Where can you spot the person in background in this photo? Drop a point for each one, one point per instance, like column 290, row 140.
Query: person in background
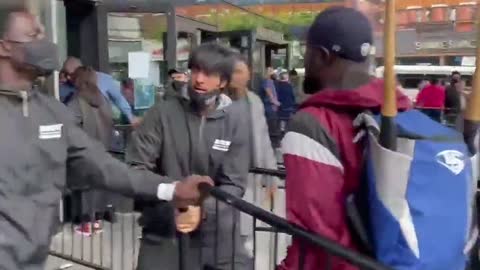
column 176, row 74
column 293, row 74
column 262, row 154
column 109, row 87
column 286, row 97
column 423, row 83
column 177, row 85
column 270, row 101
column 323, row 163
column 128, row 91
column 453, row 97
column 431, row 99
column 44, row 152
column 202, row 133
column 93, row 114
column 62, row 79
column 295, row 81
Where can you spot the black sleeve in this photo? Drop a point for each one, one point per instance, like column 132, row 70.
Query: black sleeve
column 146, row 141
column 89, row 165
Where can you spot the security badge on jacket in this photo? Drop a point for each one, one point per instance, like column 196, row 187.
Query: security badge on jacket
column 49, row 132
column 221, row 145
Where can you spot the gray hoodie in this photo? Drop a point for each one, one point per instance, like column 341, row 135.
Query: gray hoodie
column 40, row 148
column 175, row 141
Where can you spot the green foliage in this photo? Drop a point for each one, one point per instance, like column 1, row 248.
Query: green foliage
column 234, row 20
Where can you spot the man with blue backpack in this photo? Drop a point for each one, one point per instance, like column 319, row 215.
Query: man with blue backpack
column 407, row 223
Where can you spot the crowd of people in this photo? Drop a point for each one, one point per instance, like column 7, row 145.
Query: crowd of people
column 440, row 100
column 208, row 128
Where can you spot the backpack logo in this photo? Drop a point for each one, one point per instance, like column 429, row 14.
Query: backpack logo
column 452, row 160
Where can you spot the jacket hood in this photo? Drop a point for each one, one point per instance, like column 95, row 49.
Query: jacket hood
column 22, row 95
column 6, row 90
column 366, row 97
column 223, row 102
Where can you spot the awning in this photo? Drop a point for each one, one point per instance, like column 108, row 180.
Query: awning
column 299, row 32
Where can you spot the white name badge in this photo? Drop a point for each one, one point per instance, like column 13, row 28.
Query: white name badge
column 221, row 145
column 50, row 132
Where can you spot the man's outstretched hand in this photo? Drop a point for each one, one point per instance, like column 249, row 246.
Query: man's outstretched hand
column 187, row 191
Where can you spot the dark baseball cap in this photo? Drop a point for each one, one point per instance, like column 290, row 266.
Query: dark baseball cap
column 342, row 31
column 176, row 70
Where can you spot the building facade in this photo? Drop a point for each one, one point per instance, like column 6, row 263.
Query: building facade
column 102, row 33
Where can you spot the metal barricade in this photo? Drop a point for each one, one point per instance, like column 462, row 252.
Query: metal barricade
column 117, row 245
column 273, row 224
column 114, row 238
column 103, row 239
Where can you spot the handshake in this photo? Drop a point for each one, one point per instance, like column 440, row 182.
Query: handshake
column 192, row 190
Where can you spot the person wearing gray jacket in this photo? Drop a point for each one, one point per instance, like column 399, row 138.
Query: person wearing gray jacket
column 200, row 133
column 261, row 189
column 43, row 151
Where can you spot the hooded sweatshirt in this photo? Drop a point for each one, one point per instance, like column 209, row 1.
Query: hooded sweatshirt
column 43, row 152
column 175, row 141
column 324, row 165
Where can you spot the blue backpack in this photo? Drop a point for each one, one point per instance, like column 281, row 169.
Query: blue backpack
column 420, row 198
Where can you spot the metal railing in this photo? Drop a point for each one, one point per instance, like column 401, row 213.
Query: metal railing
column 103, row 239
column 281, row 225
column 117, row 246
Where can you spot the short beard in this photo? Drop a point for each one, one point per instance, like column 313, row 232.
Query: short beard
column 312, row 85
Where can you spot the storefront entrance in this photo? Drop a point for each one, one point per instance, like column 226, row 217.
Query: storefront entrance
column 103, row 34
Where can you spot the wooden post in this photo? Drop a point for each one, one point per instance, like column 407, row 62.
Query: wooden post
column 389, row 108
column 473, row 106
column 472, row 112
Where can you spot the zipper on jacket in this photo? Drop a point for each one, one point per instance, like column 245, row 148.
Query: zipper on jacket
column 24, row 96
column 201, row 128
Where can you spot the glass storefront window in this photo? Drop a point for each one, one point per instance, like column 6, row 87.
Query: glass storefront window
column 137, row 32
column 185, row 44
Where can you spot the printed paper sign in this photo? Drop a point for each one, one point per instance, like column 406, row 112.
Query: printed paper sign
column 138, row 65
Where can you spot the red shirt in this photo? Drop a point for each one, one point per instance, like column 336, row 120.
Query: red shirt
column 431, row 97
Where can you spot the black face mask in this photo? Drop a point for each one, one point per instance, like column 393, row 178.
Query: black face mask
column 311, row 85
column 178, row 85
column 203, row 101
column 40, row 57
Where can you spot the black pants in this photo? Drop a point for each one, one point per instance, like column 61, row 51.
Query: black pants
column 273, row 128
column 165, row 253
column 435, row 114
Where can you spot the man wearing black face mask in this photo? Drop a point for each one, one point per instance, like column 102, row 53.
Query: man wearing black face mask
column 43, row 152
column 201, row 133
column 178, row 83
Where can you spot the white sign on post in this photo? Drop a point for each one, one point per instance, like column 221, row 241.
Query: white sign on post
column 138, row 65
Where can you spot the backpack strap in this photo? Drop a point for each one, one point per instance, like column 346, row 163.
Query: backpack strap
column 365, row 123
column 357, row 203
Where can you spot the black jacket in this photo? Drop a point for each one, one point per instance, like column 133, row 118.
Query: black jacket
column 176, row 142
column 42, row 152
